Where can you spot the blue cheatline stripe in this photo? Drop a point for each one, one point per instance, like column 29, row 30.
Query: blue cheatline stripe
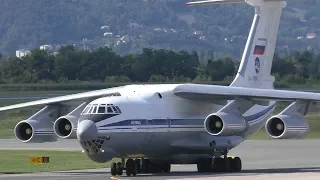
column 154, row 127
column 248, row 53
column 181, row 123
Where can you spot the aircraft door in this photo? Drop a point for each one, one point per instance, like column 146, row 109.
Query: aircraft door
column 148, row 132
column 150, row 129
column 169, row 124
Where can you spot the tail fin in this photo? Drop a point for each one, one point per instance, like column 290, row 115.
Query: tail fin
column 256, row 62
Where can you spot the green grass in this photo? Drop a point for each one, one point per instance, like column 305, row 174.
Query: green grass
column 18, row 161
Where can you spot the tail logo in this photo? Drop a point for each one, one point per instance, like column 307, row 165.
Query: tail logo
column 257, row 65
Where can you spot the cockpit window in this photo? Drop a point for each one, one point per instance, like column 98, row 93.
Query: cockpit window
column 114, row 109
column 110, row 110
column 86, row 109
column 94, row 109
column 119, row 111
column 101, row 109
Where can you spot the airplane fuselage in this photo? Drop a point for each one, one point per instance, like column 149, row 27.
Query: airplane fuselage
column 150, row 121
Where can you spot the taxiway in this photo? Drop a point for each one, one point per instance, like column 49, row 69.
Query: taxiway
column 275, row 159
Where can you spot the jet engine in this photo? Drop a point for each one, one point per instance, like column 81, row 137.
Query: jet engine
column 225, row 124
column 35, row 131
column 65, row 126
column 38, row 128
column 286, row 127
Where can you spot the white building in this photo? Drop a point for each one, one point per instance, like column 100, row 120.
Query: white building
column 21, row 52
column 46, row 47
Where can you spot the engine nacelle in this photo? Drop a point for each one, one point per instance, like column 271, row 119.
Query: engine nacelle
column 225, row 124
column 35, row 131
column 286, row 127
column 65, row 127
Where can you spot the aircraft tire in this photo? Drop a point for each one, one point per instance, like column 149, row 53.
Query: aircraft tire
column 226, row 165
column 145, row 166
column 131, row 168
column 237, row 164
column 204, row 166
column 200, row 167
column 119, row 169
column 138, row 166
column 166, row 167
column 232, row 164
column 113, row 169
column 219, row 164
column 155, row 168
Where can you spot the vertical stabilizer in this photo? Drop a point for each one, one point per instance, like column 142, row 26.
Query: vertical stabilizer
column 256, row 62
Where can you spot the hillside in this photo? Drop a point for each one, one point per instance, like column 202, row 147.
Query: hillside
column 146, row 23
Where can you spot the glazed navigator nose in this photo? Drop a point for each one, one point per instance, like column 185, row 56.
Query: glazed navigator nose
column 87, row 130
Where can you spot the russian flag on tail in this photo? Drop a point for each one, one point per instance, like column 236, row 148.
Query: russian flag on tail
column 259, row 50
column 260, row 47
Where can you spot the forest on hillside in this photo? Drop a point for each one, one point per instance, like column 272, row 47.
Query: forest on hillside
column 130, row 26
column 152, row 65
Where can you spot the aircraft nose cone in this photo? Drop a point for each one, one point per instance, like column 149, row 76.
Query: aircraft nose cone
column 87, row 130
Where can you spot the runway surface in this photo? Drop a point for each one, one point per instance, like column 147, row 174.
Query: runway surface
column 62, row 144
column 276, row 159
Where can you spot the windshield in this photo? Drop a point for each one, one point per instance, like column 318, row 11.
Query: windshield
column 101, row 109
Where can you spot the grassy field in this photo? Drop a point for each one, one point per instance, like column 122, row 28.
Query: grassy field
column 18, row 161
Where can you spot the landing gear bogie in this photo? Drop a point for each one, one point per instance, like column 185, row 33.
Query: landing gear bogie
column 220, row 165
column 137, row 166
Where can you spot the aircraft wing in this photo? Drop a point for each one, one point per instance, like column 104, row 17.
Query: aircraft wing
column 212, row 92
column 66, row 99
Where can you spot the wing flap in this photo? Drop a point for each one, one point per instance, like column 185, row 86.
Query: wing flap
column 212, row 92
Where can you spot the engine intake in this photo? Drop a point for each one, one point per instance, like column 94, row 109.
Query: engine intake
column 65, row 126
column 286, row 127
column 34, row 131
column 225, row 124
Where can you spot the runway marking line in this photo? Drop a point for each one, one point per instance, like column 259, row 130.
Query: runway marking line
column 113, row 178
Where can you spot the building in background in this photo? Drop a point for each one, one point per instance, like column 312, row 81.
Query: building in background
column 46, row 48
column 22, row 52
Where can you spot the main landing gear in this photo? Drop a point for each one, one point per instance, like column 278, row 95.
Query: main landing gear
column 138, row 166
column 218, row 164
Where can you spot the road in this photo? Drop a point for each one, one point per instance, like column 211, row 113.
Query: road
column 276, row 159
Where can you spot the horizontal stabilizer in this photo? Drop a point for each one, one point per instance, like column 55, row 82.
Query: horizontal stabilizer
column 215, row 2
column 251, row 2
